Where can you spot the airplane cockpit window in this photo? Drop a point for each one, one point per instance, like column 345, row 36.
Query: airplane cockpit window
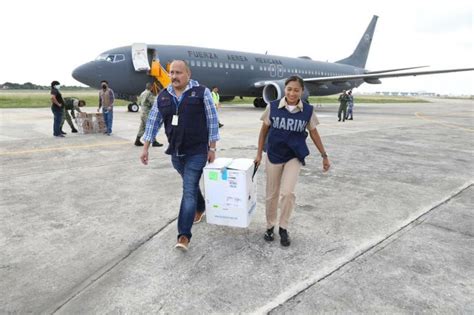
column 112, row 58
column 119, row 57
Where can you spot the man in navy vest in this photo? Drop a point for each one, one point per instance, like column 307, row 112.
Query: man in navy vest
column 191, row 126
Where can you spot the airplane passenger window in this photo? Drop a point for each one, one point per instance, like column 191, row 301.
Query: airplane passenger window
column 242, row 67
column 221, row 65
column 215, row 64
column 192, row 63
column 203, row 63
column 251, row 67
column 198, row 63
column 232, row 66
column 209, row 64
column 261, row 68
column 226, row 65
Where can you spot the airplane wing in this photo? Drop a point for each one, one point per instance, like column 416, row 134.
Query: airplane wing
column 374, row 77
column 392, row 70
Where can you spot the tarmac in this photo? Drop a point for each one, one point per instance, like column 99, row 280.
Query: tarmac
column 87, row 229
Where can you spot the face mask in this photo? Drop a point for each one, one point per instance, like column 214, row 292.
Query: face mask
column 104, row 87
column 57, row 86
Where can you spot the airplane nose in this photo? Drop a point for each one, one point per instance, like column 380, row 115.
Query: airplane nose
column 83, row 74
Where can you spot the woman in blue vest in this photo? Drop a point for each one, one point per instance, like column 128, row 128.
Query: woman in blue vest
column 286, row 122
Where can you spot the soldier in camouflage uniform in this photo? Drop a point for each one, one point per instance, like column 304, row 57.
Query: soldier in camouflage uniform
column 71, row 104
column 146, row 100
column 343, row 99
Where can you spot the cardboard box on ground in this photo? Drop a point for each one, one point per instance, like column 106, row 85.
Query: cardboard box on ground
column 90, row 123
column 230, row 191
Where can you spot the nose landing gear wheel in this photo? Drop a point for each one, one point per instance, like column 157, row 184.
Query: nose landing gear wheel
column 133, row 107
column 259, row 102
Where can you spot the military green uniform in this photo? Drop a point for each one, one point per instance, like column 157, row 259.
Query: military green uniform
column 146, row 101
column 343, row 99
column 216, row 98
column 70, row 104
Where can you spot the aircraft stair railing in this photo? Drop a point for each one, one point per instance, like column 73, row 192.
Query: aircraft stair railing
column 161, row 75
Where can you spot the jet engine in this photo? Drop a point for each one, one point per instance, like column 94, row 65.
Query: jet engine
column 273, row 90
column 276, row 89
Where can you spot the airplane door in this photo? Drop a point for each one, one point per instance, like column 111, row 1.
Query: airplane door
column 280, row 71
column 140, row 57
column 272, row 69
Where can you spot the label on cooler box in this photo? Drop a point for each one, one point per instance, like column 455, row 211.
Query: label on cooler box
column 230, row 192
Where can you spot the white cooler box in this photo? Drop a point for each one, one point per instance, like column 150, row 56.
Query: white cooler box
column 230, row 191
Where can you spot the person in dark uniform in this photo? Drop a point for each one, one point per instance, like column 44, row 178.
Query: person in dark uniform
column 189, row 115
column 57, row 104
column 350, row 106
column 286, row 122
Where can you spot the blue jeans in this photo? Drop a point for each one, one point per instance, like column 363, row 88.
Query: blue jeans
column 190, row 168
column 58, row 116
column 108, row 117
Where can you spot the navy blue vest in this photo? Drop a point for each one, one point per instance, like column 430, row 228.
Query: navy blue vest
column 190, row 136
column 287, row 134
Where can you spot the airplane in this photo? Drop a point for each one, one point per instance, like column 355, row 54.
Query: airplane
column 129, row 68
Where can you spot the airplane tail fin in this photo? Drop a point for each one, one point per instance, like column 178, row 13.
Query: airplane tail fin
column 360, row 54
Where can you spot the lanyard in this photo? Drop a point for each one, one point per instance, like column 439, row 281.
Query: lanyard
column 177, row 103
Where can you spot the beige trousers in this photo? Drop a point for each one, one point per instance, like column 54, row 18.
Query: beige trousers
column 280, row 189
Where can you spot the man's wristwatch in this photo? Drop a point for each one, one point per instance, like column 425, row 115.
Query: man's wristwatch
column 213, row 149
column 324, row 155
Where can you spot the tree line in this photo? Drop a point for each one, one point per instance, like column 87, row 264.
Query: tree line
column 32, row 86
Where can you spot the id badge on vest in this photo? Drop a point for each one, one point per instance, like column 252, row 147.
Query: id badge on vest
column 174, row 121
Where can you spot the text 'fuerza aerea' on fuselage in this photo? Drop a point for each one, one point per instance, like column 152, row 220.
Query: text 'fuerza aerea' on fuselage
column 210, row 55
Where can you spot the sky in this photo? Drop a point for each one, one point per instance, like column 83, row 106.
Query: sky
column 45, row 40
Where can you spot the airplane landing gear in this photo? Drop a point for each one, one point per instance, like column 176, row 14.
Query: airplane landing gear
column 133, row 107
column 259, row 102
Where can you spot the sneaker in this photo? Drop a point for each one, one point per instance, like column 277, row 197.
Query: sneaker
column 284, row 237
column 156, row 144
column 63, row 133
column 221, row 125
column 60, row 136
column 183, row 243
column 268, row 236
column 198, row 216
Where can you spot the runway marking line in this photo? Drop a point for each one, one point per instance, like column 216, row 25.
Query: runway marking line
column 419, row 115
column 66, row 148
